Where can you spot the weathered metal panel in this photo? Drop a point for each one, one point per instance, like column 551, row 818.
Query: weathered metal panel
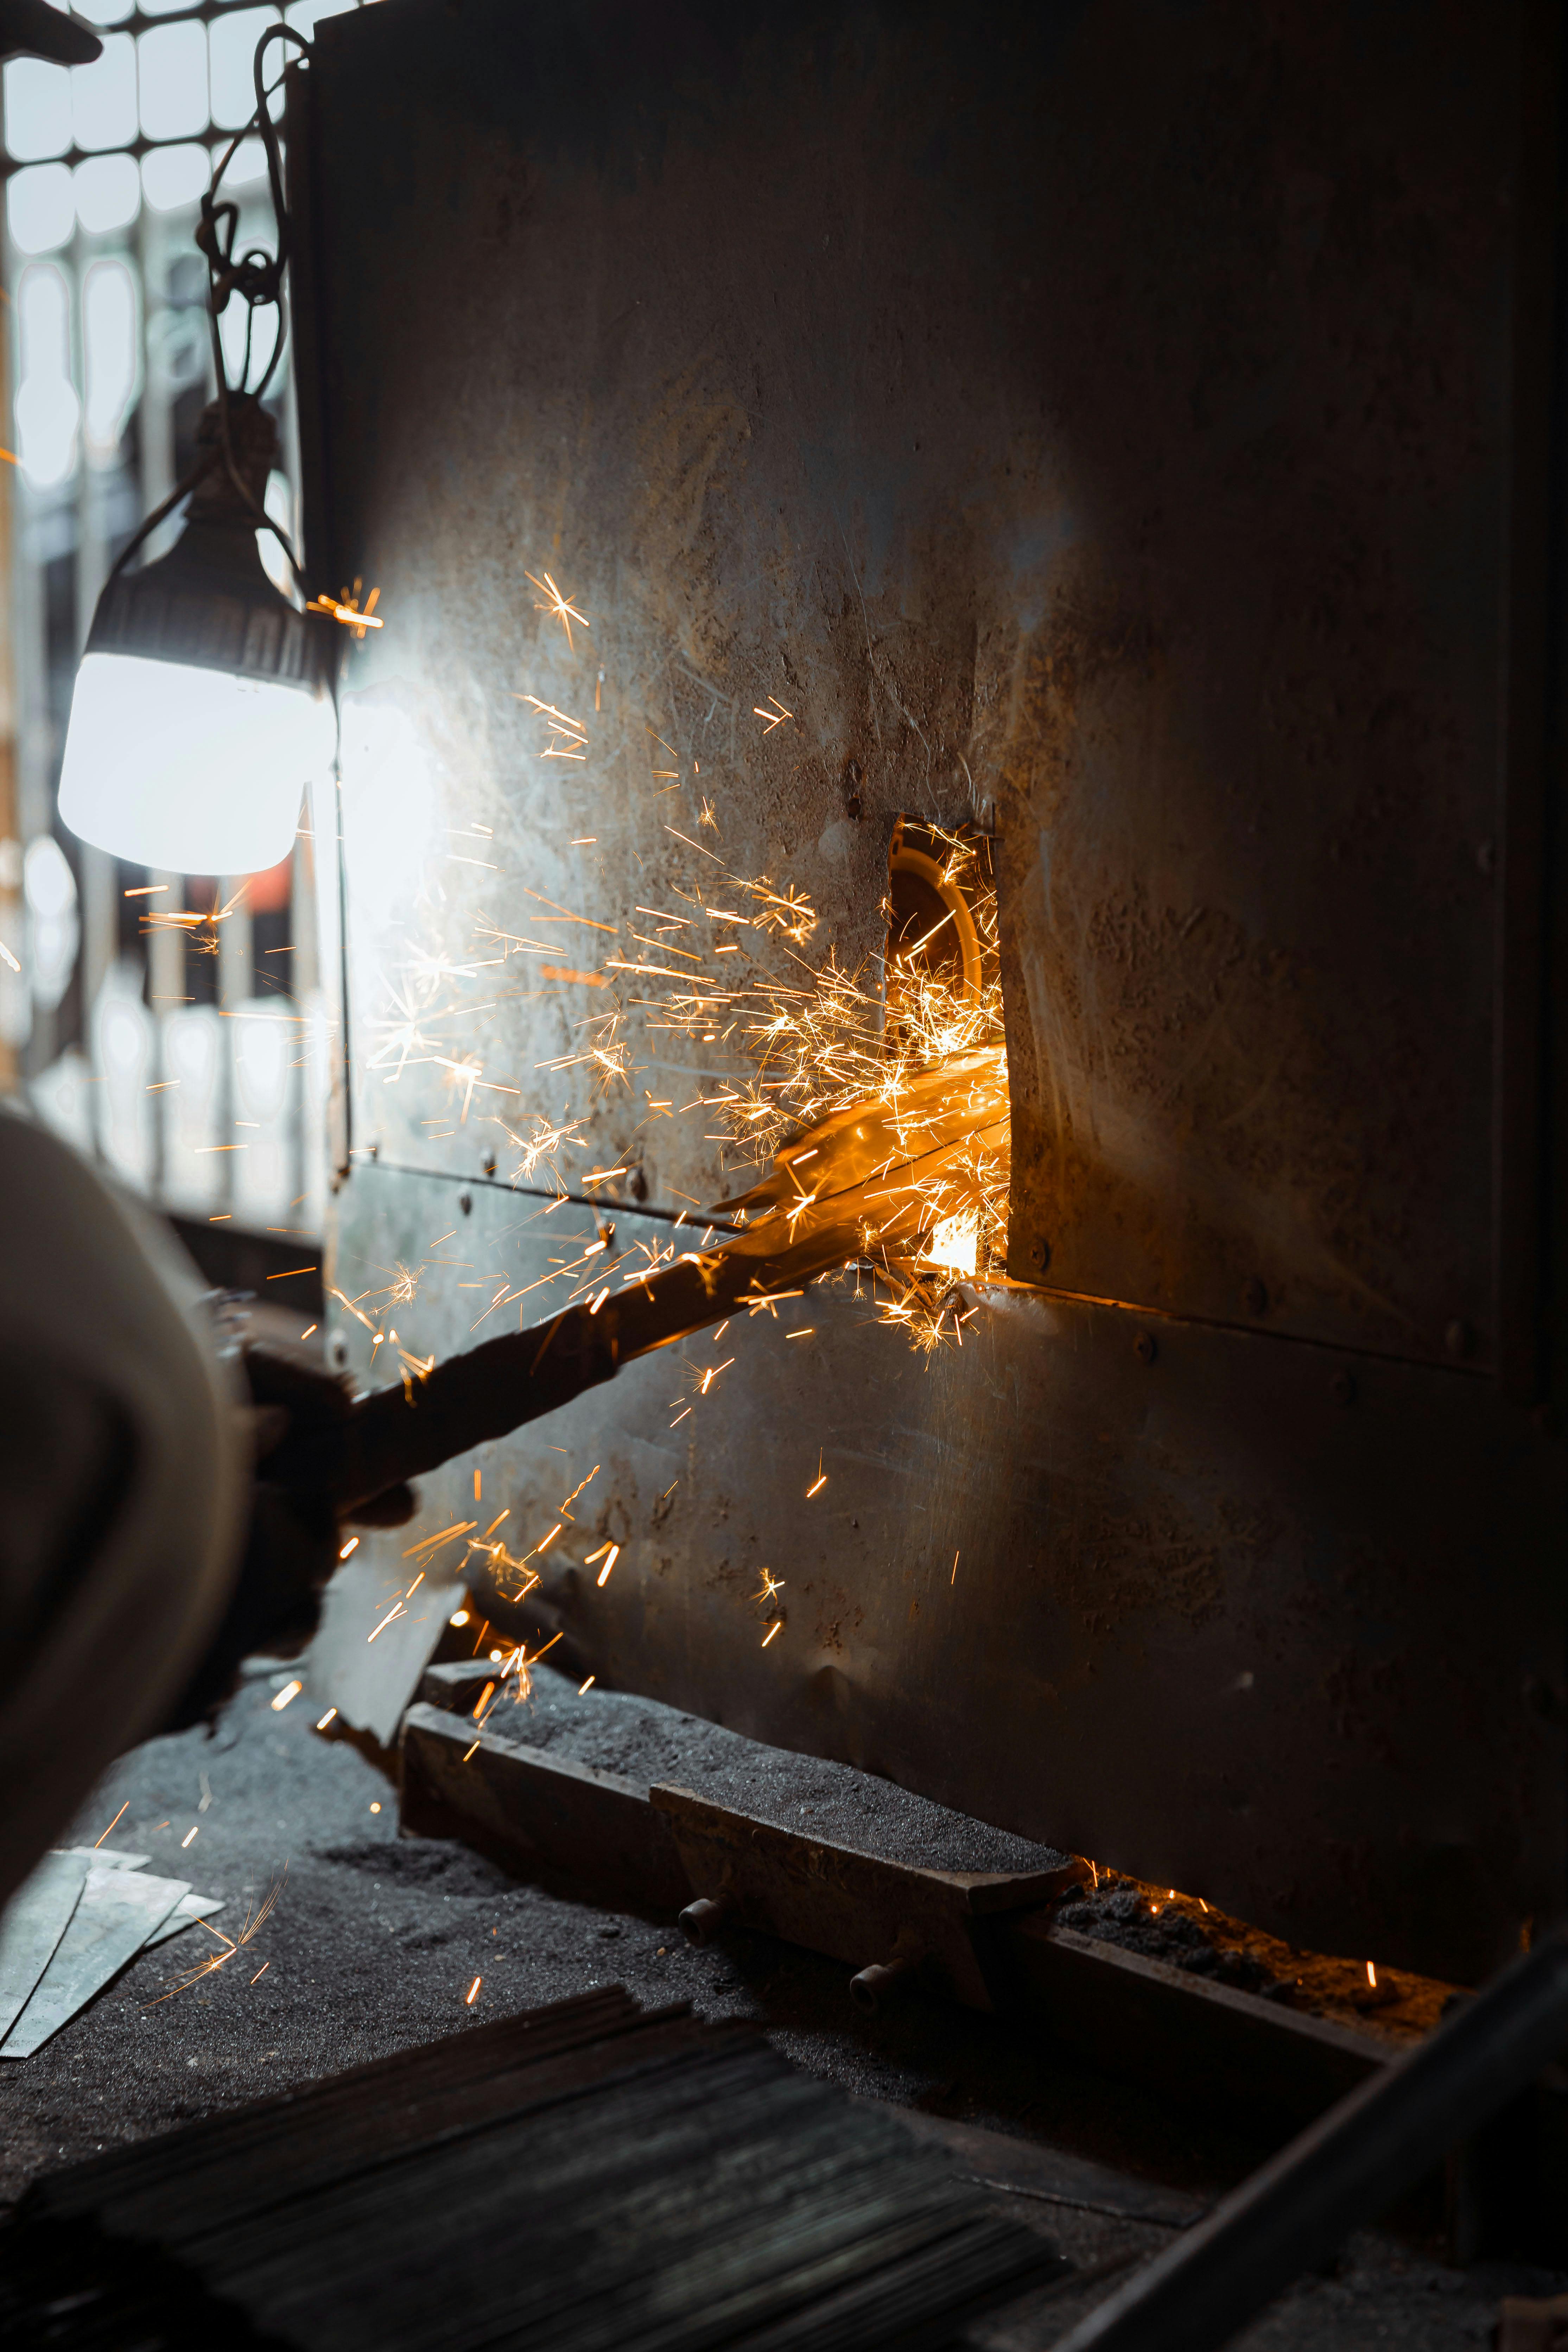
column 1101, row 426
column 1228, row 1619
column 1107, row 420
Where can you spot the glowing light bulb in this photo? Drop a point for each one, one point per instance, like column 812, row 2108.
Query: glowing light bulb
column 189, row 769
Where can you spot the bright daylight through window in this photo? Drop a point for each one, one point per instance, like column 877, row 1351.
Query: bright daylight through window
column 167, row 1021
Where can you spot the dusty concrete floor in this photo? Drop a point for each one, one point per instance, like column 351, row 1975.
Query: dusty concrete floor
column 375, row 1940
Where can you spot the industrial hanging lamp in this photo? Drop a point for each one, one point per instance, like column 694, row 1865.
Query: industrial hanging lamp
column 202, row 706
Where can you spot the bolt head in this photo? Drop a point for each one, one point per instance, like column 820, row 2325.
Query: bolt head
column 1255, row 1295
column 1145, row 1347
column 466, row 1203
column 488, row 1163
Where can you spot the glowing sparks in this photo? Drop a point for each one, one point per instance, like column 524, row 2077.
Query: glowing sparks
column 578, row 1488
column 776, row 1627
column 254, row 1919
column 114, row 1824
column 1372, row 1976
column 559, row 606
column 588, row 1685
column 774, row 716
column 347, row 609
column 189, row 1837
column 286, row 1696
column 955, row 1244
column 330, row 1716
column 442, row 1536
column 473, row 1994
column 920, row 1056
column 568, row 737
column 604, row 1575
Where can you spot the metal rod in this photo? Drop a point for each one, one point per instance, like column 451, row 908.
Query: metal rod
column 401, row 1432
column 1344, row 2170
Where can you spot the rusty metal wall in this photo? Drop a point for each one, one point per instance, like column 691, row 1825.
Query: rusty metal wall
column 1102, row 422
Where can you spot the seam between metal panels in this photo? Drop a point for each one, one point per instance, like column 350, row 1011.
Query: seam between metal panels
column 542, row 1192
column 1247, row 1330
column 1029, row 1290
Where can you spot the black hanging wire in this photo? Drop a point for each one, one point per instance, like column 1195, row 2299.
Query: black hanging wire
column 255, row 276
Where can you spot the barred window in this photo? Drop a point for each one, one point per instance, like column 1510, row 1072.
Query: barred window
column 186, row 1056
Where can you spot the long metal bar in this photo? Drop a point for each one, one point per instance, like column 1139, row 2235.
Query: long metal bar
column 402, row 1433
column 1343, row 2170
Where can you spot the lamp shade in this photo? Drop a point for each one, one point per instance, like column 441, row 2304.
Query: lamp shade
column 201, row 709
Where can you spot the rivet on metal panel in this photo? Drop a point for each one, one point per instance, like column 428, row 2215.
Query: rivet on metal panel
column 488, row 1163
column 700, row 1921
column 465, row 1202
column 1145, row 1347
column 1341, row 1388
column 1042, row 1255
column 1459, row 1339
column 375, row 1151
column 1255, row 1295
column 338, row 1352
column 871, row 1989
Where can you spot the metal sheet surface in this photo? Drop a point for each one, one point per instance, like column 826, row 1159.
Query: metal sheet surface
column 1103, row 428
column 118, row 1910
column 31, row 1926
column 1193, row 1617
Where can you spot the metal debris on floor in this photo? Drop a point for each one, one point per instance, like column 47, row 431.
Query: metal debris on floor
column 82, row 1916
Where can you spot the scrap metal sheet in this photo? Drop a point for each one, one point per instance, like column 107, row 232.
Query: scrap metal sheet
column 31, row 1927
column 118, row 1910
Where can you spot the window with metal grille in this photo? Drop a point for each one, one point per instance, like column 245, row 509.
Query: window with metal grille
column 168, row 1025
